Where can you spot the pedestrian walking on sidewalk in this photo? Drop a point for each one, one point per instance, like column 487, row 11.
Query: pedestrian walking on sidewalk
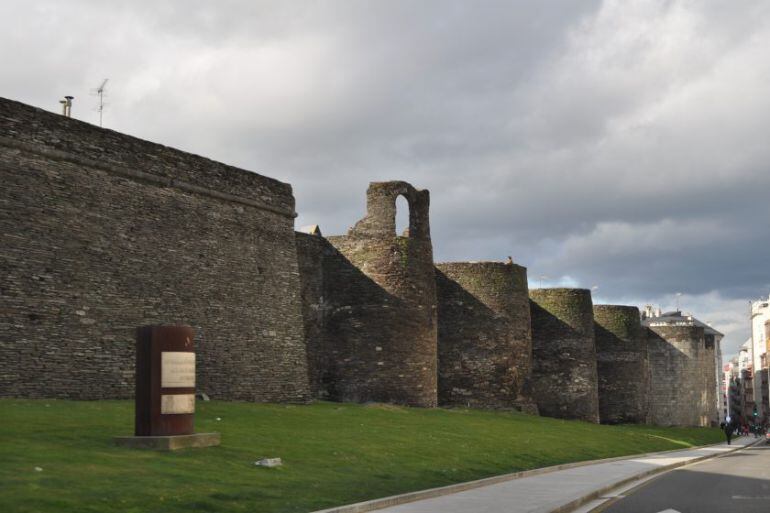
column 728, row 433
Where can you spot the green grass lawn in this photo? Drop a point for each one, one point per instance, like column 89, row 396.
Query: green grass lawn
column 333, row 454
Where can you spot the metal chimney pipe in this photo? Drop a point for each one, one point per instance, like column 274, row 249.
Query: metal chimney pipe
column 68, row 106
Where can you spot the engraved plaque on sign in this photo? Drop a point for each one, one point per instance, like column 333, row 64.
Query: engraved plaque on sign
column 177, row 369
column 182, row 403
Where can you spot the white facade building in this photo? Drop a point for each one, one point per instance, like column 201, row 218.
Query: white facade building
column 760, row 313
column 744, row 357
column 729, row 374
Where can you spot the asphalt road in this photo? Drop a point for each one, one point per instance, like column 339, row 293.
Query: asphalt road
column 736, row 483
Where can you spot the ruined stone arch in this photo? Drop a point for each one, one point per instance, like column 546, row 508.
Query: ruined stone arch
column 380, row 219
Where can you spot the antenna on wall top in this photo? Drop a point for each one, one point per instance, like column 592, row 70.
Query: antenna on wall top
column 99, row 91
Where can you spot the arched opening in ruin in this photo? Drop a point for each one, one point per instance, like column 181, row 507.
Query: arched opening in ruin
column 402, row 216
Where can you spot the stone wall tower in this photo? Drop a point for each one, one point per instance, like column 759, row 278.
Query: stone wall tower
column 677, row 355
column 380, row 324
column 622, row 364
column 484, row 335
column 710, row 415
column 564, row 378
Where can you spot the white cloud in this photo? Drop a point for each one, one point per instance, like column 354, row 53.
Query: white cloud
column 639, row 241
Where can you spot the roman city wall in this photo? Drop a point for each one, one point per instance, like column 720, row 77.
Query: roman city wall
column 103, row 232
column 564, row 377
column 622, row 364
column 484, row 335
column 677, row 355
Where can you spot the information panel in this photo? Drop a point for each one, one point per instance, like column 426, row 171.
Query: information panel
column 177, row 369
column 174, row 404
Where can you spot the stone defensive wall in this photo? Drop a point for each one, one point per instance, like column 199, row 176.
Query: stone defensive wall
column 312, row 253
column 708, row 364
column 484, row 335
column 103, row 232
column 621, row 364
column 677, row 358
column 564, row 377
column 378, row 340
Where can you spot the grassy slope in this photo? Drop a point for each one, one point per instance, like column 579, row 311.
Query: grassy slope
column 333, row 454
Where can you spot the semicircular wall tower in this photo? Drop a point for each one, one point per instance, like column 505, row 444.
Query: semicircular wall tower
column 677, row 358
column 484, row 335
column 381, row 318
column 621, row 363
column 710, row 412
column 564, row 378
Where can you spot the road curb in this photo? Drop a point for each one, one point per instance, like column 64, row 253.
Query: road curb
column 404, row 498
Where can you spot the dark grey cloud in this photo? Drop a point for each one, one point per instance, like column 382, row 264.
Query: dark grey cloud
column 612, row 143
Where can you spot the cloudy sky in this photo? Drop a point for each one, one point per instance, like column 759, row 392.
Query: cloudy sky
column 617, row 144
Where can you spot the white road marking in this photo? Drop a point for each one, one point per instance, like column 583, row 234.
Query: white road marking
column 747, row 498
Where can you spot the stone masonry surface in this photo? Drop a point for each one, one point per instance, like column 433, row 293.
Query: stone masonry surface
column 564, row 378
column 677, row 355
column 102, row 232
column 710, row 415
column 311, row 251
column 372, row 336
column 622, row 366
column 484, row 336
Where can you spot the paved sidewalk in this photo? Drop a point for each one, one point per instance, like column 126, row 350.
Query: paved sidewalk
column 553, row 490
